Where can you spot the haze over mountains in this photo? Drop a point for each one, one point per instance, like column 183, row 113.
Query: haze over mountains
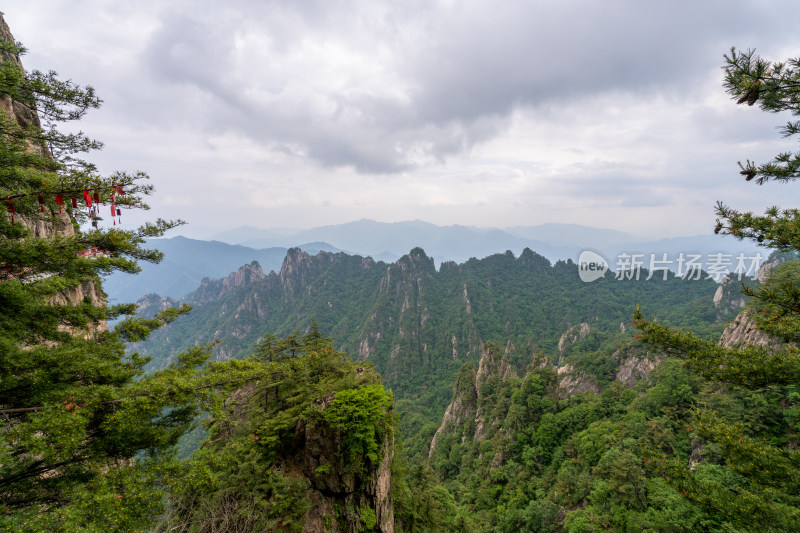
column 188, row 261
column 389, row 241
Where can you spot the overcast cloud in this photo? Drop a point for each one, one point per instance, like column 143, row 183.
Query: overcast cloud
column 290, row 113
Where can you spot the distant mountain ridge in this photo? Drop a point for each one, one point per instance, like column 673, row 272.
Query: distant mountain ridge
column 389, row 241
column 188, row 261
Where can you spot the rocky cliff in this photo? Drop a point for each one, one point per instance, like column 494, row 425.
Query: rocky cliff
column 58, row 223
column 743, row 331
column 316, row 446
column 729, row 297
column 317, row 456
column 465, row 413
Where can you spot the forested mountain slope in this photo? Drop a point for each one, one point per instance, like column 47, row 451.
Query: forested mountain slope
column 419, row 325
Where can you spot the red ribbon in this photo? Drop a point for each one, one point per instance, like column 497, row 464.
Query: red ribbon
column 41, row 203
column 96, row 197
column 11, row 210
column 59, row 202
column 87, row 198
column 74, row 203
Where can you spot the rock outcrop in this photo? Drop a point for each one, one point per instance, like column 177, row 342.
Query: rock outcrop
column 212, row 289
column 728, row 297
column 462, row 409
column 634, row 366
column 743, row 331
column 575, row 382
column 337, row 493
column 151, row 304
column 465, row 411
column 572, row 336
column 334, row 486
column 299, row 268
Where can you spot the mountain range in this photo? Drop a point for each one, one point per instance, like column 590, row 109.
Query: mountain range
column 417, row 323
column 188, row 261
column 389, row 241
column 524, row 398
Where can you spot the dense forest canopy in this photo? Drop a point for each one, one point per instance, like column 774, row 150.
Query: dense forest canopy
column 514, row 396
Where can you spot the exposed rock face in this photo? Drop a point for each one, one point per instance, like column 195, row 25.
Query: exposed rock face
column 492, row 364
column 23, row 115
column 573, row 335
column 570, row 380
column 634, row 367
column 743, row 331
column 151, row 304
column 574, row 382
column 316, row 456
column 213, row 289
column 338, row 487
column 464, row 410
column 299, row 268
column 60, row 224
column 766, row 269
column 728, row 297
column 464, row 406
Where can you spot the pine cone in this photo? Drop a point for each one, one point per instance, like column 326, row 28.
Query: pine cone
column 748, row 173
column 752, row 96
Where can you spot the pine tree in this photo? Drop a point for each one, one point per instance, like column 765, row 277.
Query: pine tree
column 75, row 409
column 755, row 483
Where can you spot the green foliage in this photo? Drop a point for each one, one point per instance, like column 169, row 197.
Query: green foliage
column 241, row 477
column 232, row 488
column 777, row 302
column 747, row 478
column 623, row 459
column 362, row 416
column 774, row 86
column 418, row 327
column 422, row 504
column 76, row 408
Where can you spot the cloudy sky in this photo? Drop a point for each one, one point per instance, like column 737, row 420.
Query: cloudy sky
column 304, row 113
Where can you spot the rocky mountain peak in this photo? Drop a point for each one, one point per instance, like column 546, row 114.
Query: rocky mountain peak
column 493, row 363
column 212, row 289
column 417, row 259
column 299, row 268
